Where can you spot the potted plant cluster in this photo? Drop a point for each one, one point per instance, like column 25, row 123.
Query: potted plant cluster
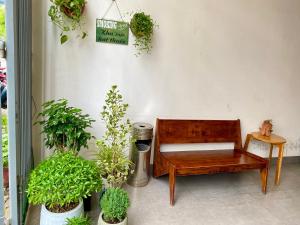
column 5, row 151
column 114, row 205
column 59, row 183
column 67, row 15
column 64, row 126
column 113, row 163
column 80, row 220
column 142, row 26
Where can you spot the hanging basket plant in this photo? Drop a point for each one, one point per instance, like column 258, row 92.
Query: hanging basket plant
column 142, row 26
column 67, row 15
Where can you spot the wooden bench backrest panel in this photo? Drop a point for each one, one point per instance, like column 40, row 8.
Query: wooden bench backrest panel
column 198, row 131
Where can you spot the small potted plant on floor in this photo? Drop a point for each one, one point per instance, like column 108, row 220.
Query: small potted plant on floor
column 64, row 127
column 80, row 220
column 142, row 26
column 114, row 165
column 114, row 205
column 67, row 15
column 59, row 183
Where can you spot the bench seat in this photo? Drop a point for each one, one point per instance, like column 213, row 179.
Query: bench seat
column 185, row 163
column 214, row 158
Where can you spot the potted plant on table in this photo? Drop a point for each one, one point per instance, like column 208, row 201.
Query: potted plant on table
column 59, row 183
column 142, row 26
column 114, row 205
column 113, row 163
column 67, row 15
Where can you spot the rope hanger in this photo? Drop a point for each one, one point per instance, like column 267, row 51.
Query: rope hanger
column 109, row 8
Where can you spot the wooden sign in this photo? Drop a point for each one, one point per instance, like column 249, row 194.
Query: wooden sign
column 110, row 31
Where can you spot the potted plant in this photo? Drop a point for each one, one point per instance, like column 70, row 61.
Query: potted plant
column 67, row 15
column 59, row 183
column 80, row 220
column 64, row 126
column 114, row 205
column 114, row 165
column 142, row 26
column 5, row 151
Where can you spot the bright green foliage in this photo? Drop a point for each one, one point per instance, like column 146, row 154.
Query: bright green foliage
column 64, row 126
column 112, row 160
column 142, row 26
column 4, row 141
column 82, row 220
column 66, row 14
column 114, row 205
column 2, row 23
column 63, row 179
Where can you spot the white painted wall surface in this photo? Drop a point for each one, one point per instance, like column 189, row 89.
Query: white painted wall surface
column 212, row 59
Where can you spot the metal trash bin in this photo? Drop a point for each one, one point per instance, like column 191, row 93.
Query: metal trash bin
column 140, row 154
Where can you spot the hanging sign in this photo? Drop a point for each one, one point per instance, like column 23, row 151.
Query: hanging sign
column 110, row 31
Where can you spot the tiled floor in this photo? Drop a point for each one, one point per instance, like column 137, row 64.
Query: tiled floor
column 222, row 199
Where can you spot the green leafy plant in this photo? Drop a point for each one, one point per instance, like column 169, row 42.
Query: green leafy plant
column 114, row 205
column 142, row 26
column 112, row 160
column 82, row 220
column 66, row 15
column 4, row 141
column 62, row 180
column 64, row 126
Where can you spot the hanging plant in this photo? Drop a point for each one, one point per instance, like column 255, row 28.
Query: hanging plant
column 66, row 15
column 142, row 26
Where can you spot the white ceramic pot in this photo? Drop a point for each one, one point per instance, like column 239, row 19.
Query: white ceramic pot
column 102, row 222
column 50, row 218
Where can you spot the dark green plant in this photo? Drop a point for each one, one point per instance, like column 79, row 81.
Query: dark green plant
column 114, row 205
column 62, row 180
column 66, row 15
column 82, row 220
column 4, row 141
column 142, row 25
column 64, row 126
column 112, row 160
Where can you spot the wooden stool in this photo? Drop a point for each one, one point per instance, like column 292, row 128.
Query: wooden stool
column 272, row 140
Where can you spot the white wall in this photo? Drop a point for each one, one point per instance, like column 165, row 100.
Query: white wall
column 212, row 59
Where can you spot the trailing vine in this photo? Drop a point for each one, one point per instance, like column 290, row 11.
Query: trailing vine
column 142, row 26
column 66, row 15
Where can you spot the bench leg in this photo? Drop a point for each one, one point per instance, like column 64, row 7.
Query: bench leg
column 172, row 180
column 264, row 179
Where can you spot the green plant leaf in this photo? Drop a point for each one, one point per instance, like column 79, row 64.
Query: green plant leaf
column 64, row 38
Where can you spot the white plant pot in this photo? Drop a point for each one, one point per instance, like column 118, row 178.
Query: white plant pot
column 102, row 222
column 51, row 218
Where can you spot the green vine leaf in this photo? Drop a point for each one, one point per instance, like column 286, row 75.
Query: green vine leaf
column 63, row 39
column 142, row 26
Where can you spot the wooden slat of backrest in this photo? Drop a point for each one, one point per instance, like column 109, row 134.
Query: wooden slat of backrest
column 199, row 131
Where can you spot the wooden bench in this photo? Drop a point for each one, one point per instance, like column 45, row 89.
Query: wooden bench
column 184, row 163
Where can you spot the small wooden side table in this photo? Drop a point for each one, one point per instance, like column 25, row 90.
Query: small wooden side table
column 272, row 140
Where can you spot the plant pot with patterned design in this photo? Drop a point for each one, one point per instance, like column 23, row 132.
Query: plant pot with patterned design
column 114, row 205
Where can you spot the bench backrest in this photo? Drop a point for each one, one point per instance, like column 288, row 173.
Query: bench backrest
column 198, row 131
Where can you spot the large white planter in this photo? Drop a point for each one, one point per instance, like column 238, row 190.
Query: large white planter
column 50, row 218
column 102, row 222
